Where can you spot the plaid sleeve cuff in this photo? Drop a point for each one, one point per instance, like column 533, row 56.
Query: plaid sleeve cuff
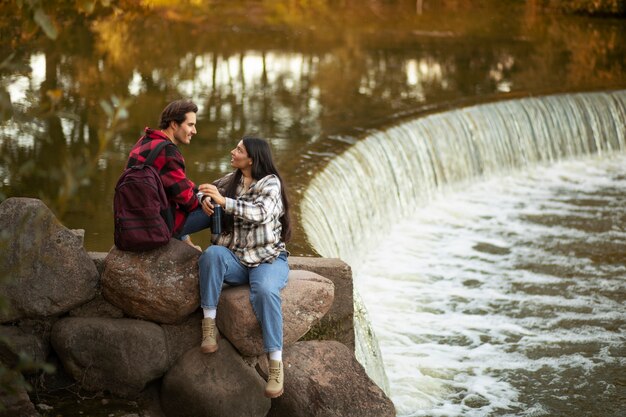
column 230, row 205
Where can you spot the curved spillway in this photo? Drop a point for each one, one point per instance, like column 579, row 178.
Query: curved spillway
column 388, row 174
column 358, row 200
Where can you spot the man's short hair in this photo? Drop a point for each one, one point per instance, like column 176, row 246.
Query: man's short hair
column 176, row 111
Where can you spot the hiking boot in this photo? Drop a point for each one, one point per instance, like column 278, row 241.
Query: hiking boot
column 209, row 335
column 274, row 387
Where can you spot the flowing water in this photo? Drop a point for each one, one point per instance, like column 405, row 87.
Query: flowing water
column 490, row 256
column 507, row 298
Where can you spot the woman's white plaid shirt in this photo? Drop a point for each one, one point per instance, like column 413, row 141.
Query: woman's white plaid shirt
column 256, row 232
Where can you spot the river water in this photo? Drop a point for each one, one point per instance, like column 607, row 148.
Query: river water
column 507, row 298
column 487, row 245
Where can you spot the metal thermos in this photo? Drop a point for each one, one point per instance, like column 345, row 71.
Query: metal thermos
column 216, row 219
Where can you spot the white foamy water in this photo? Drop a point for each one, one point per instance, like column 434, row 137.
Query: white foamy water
column 506, row 297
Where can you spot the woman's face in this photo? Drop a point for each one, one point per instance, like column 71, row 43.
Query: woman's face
column 239, row 157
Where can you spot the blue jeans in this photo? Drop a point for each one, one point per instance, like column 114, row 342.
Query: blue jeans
column 196, row 220
column 219, row 265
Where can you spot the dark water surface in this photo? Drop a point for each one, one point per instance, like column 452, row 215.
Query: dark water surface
column 313, row 77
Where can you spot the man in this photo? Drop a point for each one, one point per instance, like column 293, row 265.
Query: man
column 178, row 125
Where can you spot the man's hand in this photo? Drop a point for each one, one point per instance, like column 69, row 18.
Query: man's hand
column 207, row 206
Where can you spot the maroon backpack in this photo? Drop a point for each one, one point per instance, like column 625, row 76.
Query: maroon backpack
column 142, row 214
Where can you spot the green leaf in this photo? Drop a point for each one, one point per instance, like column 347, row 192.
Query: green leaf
column 48, row 368
column 42, row 19
column 123, row 114
column 7, row 61
column 107, row 108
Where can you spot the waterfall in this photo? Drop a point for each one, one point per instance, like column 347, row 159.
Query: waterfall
column 383, row 178
column 387, row 174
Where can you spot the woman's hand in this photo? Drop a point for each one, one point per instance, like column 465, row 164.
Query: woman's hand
column 203, row 187
column 212, row 191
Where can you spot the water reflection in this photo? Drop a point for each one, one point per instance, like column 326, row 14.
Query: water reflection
column 312, row 77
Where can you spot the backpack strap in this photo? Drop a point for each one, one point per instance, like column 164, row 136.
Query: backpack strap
column 168, row 214
column 155, row 152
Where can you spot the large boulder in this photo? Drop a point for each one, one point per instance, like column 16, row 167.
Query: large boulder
column 220, row 384
column 179, row 338
column 98, row 307
column 30, row 337
column 117, row 355
column 48, row 270
column 338, row 323
column 160, row 285
column 305, row 299
column 323, row 379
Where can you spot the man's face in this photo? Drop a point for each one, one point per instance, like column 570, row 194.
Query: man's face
column 184, row 131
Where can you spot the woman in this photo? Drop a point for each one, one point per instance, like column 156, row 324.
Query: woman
column 251, row 249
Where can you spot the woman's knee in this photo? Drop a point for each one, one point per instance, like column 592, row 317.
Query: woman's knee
column 214, row 253
column 264, row 292
column 211, row 258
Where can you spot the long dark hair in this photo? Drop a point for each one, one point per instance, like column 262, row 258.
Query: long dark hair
column 262, row 165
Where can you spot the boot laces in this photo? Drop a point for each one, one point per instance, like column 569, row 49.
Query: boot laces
column 275, row 374
column 209, row 331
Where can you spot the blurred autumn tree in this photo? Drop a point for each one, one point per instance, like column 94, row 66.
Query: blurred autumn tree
column 590, row 7
column 22, row 23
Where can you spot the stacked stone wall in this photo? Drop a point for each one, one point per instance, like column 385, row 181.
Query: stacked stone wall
column 129, row 325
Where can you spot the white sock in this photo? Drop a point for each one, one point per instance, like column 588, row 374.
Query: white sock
column 209, row 312
column 277, row 355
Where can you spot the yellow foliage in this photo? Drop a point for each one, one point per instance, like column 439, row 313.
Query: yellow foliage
column 115, row 41
column 170, row 3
